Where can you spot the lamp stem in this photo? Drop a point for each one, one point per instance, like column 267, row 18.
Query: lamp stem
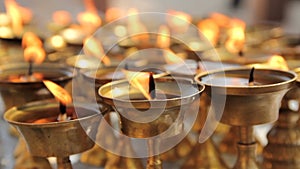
column 64, row 163
column 246, row 149
column 154, row 161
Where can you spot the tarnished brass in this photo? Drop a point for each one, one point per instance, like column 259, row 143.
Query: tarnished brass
column 56, row 139
column 204, row 155
column 283, row 142
column 282, row 150
column 246, row 106
column 18, row 93
column 185, row 93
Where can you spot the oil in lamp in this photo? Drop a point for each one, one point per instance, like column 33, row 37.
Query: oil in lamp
column 282, row 148
column 53, row 129
column 245, row 105
column 151, row 110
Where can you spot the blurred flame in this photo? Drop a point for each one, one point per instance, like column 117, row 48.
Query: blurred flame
column 93, row 47
column 60, row 93
column 220, row 19
column 62, row 17
column 90, row 6
column 112, row 14
column 26, row 14
column 171, row 58
column 278, row 62
column 139, row 80
column 163, row 38
column 274, row 62
column 34, row 54
column 178, row 21
column 13, row 11
column 31, row 39
column 136, row 29
column 236, row 36
column 210, row 29
column 89, row 19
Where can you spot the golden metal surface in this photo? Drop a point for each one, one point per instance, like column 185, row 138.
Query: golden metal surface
column 55, row 139
column 282, row 149
column 18, row 93
column 184, row 97
column 204, row 155
column 250, row 105
column 246, row 105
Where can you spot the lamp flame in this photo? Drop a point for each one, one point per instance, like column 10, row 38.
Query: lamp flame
column 220, row 19
column 278, row 62
column 136, row 28
column 89, row 19
column 171, row 58
column 274, row 62
column 93, row 47
column 112, row 14
column 31, row 39
column 236, row 36
column 139, row 80
column 163, row 38
column 15, row 15
column 62, row 17
column 178, row 21
column 210, row 29
column 34, row 54
column 59, row 93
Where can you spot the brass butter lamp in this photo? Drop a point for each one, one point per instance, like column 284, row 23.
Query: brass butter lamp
column 252, row 98
column 152, row 120
column 284, row 136
column 56, row 139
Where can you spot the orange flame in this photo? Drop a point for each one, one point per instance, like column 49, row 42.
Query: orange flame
column 112, row 14
column 220, row 19
column 60, row 93
column 171, row 58
column 26, row 14
column 90, row 6
column 89, row 19
column 93, row 47
column 278, row 62
column 31, row 39
column 178, row 21
column 137, row 29
column 163, row 38
column 210, row 29
column 34, row 54
column 62, row 17
column 236, row 36
column 274, row 62
column 15, row 15
column 139, row 80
